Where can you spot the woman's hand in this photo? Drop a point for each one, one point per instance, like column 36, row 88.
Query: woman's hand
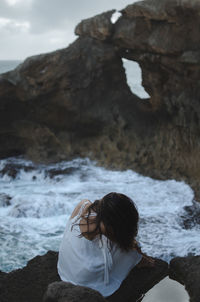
column 77, row 208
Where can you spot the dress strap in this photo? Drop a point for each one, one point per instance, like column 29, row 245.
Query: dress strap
column 103, row 245
column 108, row 261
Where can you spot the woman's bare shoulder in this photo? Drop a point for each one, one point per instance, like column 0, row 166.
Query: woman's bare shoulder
column 79, row 205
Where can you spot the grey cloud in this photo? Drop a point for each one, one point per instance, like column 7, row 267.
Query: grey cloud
column 12, row 28
column 47, row 15
column 52, row 23
column 18, row 12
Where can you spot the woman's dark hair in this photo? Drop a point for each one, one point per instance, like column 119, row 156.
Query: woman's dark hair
column 119, row 216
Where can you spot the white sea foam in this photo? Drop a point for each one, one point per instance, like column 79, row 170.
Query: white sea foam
column 42, row 200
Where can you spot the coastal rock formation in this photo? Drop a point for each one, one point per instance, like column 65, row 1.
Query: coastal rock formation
column 31, row 282
column 64, row 104
column 99, row 28
column 76, row 102
column 186, row 270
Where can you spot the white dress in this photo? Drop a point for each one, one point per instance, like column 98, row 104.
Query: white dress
column 90, row 262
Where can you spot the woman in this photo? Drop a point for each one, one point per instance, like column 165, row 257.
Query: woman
column 99, row 249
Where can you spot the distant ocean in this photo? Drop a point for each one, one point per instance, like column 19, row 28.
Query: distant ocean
column 35, row 206
column 6, row 65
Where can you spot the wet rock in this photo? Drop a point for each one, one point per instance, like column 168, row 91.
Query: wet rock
column 191, row 216
column 12, row 169
column 5, row 200
column 186, row 270
column 55, row 172
column 9, row 170
column 31, row 283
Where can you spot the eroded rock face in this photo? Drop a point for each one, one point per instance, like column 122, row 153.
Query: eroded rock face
column 76, row 102
column 186, row 270
column 171, row 69
column 153, row 33
column 100, row 27
column 66, row 103
column 29, row 283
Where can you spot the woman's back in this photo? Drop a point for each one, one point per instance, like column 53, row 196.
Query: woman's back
column 93, row 263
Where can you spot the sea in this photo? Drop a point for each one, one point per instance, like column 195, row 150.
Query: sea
column 36, row 201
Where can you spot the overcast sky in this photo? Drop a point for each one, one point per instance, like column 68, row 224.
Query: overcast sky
column 29, row 27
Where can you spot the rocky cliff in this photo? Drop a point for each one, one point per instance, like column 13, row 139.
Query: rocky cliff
column 76, row 102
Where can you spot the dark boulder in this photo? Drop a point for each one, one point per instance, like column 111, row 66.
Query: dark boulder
column 12, row 169
column 190, row 217
column 67, row 292
column 29, row 283
column 186, row 270
column 5, row 200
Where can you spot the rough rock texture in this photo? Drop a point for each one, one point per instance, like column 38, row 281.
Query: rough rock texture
column 4, row 200
column 31, row 282
column 100, row 27
column 153, row 33
column 67, row 103
column 190, row 218
column 143, row 278
column 186, row 270
column 75, row 101
column 67, row 292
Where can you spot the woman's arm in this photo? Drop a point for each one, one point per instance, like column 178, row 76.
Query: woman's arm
column 77, row 208
column 86, row 226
